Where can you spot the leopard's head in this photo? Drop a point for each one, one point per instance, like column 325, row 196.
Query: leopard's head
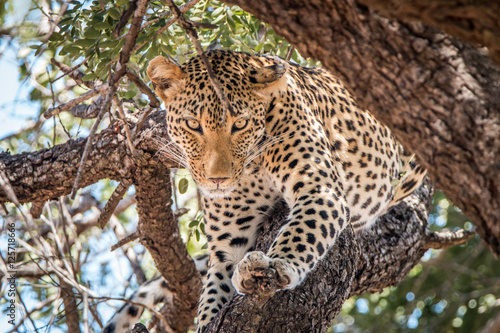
column 218, row 146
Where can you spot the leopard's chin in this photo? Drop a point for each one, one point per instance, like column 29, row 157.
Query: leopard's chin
column 216, row 192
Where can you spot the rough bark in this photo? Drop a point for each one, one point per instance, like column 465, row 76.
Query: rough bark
column 49, row 173
column 367, row 262
column 70, row 308
column 476, row 22
column 160, row 235
column 440, row 96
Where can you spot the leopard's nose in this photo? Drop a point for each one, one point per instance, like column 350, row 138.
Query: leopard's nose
column 218, row 180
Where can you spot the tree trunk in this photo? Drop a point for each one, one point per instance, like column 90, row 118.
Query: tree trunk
column 440, row 96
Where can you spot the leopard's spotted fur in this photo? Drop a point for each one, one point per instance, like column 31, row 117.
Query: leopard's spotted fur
column 291, row 133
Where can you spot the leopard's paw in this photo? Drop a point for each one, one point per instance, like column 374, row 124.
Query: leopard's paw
column 256, row 273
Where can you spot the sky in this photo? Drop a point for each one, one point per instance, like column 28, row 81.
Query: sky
column 15, row 109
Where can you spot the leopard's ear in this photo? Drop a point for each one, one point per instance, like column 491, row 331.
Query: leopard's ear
column 166, row 76
column 269, row 73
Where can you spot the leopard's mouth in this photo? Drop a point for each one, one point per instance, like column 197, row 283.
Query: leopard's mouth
column 216, row 192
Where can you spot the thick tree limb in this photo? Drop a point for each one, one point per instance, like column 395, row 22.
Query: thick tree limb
column 440, row 96
column 49, row 173
column 159, row 233
column 471, row 20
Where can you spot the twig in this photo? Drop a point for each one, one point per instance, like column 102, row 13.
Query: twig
column 72, row 72
column 134, row 29
column 130, row 238
column 113, row 201
column 124, row 18
column 120, row 71
column 90, row 138
column 188, row 27
column 184, row 8
column 37, row 307
column 141, row 121
column 67, row 106
column 290, row 53
column 446, row 239
column 128, row 251
column 36, row 208
column 55, row 22
column 5, row 184
column 153, row 101
column 119, row 107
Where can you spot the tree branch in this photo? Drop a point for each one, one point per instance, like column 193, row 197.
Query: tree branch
column 446, row 239
column 476, row 22
column 49, row 173
column 159, row 233
column 188, row 27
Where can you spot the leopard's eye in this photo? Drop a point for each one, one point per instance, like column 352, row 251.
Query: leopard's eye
column 240, row 124
column 193, row 124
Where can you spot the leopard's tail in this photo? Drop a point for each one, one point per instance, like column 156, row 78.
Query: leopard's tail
column 148, row 295
column 411, row 176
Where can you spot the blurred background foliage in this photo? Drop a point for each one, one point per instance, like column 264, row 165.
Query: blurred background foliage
column 455, row 290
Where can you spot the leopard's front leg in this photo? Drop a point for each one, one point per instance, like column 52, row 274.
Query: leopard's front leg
column 231, row 225
column 312, row 187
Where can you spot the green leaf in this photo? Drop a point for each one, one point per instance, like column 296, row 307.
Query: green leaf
column 202, row 228
column 193, row 223
column 71, row 50
column 259, row 47
column 102, row 25
column 197, row 234
column 183, row 185
column 110, row 43
column 218, row 11
column 89, row 77
column 114, row 13
column 217, row 20
column 205, row 246
column 92, row 33
column 84, row 42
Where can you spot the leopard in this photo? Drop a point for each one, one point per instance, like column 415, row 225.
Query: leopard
column 279, row 132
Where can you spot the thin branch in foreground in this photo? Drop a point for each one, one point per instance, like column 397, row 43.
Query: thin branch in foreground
column 72, row 72
column 5, row 184
column 83, row 97
column 446, row 239
column 121, row 69
column 184, row 8
column 119, row 107
column 141, row 121
column 84, row 111
column 153, row 101
column 105, row 107
column 36, row 208
column 113, row 201
column 132, row 237
column 188, row 26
